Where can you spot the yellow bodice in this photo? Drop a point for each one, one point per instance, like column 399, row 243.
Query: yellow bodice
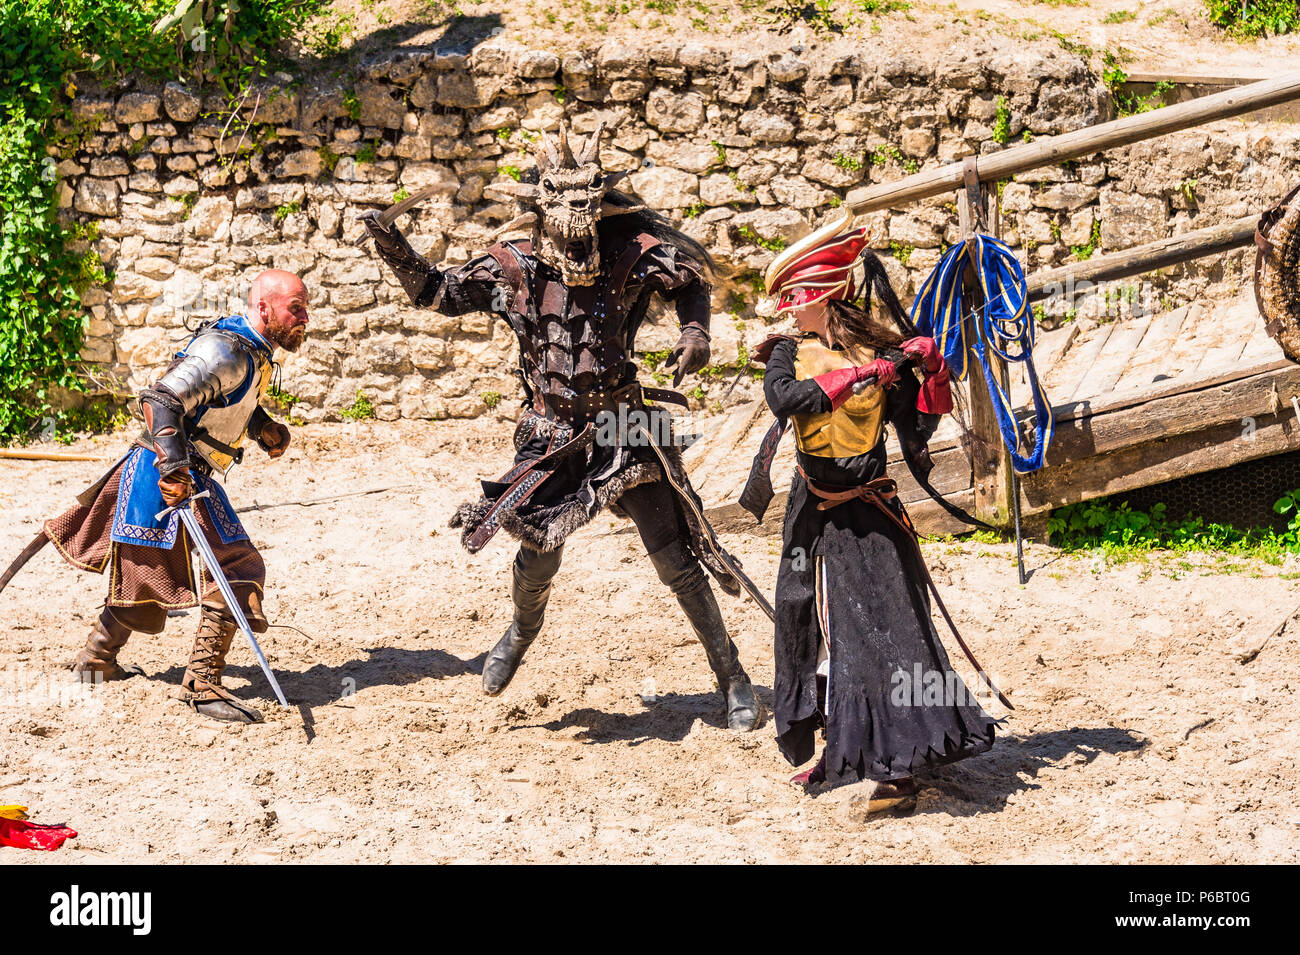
column 851, row 429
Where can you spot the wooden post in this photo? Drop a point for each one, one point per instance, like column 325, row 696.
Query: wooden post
column 991, row 472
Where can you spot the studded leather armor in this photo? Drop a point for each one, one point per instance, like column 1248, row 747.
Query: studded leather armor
column 576, row 342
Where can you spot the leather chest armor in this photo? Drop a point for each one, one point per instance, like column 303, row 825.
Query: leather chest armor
column 850, row 430
column 575, row 341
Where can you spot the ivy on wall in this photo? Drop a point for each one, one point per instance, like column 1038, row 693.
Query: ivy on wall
column 47, row 260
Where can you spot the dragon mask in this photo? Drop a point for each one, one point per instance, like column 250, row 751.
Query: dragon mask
column 571, row 195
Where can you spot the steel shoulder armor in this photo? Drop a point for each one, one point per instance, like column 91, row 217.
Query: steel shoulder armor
column 209, row 395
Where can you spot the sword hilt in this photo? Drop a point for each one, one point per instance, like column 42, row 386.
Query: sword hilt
column 165, row 512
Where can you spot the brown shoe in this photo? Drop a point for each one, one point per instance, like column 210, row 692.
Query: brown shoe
column 202, row 680
column 97, row 661
column 895, row 794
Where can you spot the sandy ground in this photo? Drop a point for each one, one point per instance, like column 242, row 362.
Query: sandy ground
column 1137, row 737
column 1173, row 36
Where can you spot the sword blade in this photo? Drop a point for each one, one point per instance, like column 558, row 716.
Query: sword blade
column 214, row 570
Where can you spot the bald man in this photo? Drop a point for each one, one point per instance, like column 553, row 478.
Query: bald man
column 197, row 417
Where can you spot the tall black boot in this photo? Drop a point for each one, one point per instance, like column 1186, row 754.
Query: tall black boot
column 531, row 588
column 680, row 570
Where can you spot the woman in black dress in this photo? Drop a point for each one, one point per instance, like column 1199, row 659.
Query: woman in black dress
column 856, row 651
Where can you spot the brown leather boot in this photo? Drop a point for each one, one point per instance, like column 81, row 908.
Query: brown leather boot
column 202, row 680
column 97, row 661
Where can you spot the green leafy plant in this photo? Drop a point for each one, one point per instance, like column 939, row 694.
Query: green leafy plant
column 368, row 152
column 282, row 398
column 900, row 251
column 694, row 211
column 772, row 245
column 289, row 208
column 352, row 105
column 882, row 6
column 1002, row 122
column 1094, row 242
column 360, row 409
column 1254, row 18
column 328, row 157
column 514, row 172
column 1119, row 16
column 491, row 398
column 400, row 194
column 1120, row 533
column 851, row 163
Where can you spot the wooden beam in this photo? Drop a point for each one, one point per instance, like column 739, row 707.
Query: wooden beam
column 1143, row 258
column 1075, row 145
column 1255, row 398
column 1156, row 462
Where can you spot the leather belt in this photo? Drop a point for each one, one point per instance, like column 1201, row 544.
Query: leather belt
column 877, row 492
column 585, row 406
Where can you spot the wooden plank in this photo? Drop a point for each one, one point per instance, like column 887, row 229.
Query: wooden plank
column 1142, row 258
column 1158, row 461
column 1182, row 413
column 1082, row 357
column 1120, row 348
column 951, row 474
column 1072, row 410
column 1236, row 323
column 1077, row 144
column 1260, row 347
column 1151, row 363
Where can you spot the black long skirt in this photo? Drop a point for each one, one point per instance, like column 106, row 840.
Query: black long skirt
column 894, row 705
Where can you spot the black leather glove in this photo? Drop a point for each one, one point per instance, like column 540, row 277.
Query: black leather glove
column 690, row 354
column 387, row 238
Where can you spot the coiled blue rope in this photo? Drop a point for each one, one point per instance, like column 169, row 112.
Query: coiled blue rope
column 1005, row 327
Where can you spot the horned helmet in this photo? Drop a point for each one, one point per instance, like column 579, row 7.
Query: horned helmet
column 571, row 196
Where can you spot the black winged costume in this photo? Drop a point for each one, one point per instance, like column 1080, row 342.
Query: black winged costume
column 575, row 296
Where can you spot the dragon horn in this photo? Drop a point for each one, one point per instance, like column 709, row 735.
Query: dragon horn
column 566, row 154
column 592, row 149
column 548, row 157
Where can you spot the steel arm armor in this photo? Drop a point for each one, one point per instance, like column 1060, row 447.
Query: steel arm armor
column 212, row 367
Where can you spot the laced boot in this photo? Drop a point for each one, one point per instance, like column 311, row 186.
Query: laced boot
column 97, row 661
column 529, row 593
column 680, row 570
column 202, row 680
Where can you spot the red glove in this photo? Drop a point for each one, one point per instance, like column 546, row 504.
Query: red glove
column 839, row 385
column 935, row 396
column 925, row 352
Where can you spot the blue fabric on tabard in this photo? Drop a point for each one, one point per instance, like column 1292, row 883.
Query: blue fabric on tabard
column 139, row 501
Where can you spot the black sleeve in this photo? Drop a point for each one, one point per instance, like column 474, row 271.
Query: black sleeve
column 786, row 394
column 680, row 280
column 914, row 429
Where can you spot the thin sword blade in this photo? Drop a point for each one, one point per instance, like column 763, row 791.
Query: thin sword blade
column 214, row 570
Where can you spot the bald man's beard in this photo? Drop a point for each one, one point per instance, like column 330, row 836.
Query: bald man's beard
column 287, row 334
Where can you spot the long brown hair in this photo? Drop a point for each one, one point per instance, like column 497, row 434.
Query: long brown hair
column 854, row 327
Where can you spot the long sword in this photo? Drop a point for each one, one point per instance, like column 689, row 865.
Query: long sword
column 214, row 570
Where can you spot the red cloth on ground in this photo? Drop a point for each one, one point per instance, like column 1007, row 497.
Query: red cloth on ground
column 32, row 835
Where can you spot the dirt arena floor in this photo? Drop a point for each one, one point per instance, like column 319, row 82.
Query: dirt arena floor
column 1155, row 718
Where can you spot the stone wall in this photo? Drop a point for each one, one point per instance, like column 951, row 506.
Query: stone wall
column 744, row 150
